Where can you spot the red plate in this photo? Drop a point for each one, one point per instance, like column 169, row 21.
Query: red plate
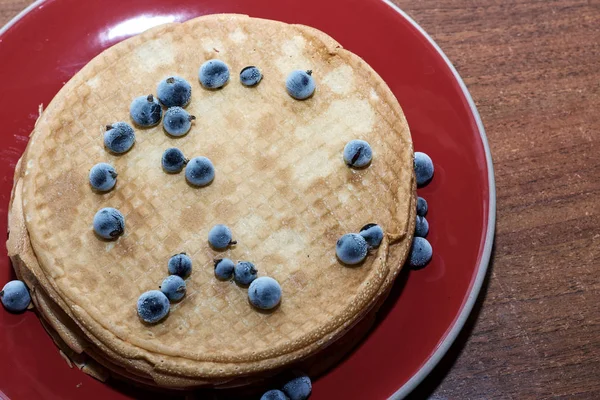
column 48, row 43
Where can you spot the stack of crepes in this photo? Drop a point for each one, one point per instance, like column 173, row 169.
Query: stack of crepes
column 281, row 185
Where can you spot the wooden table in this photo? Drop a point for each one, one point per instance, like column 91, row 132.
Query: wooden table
column 533, row 68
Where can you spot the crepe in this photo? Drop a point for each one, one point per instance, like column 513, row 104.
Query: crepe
column 281, row 185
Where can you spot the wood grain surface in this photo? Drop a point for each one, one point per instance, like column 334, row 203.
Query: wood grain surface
column 533, row 68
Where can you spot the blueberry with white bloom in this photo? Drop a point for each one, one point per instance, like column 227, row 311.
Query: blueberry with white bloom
column 274, row 395
column 224, row 268
column 180, row 264
column 173, row 287
column 220, row 237
column 244, row 272
column 152, row 306
column 351, row 248
column 119, row 137
column 420, row 252
column 173, row 160
column 109, row 223
column 421, row 206
column 15, row 296
column 423, row 168
column 357, row 153
column 199, row 171
column 213, row 74
column 300, row 84
column 174, row 92
column 177, row 121
column 373, row 234
column 264, row 293
column 298, row 388
column 250, row 76
column 421, row 227
column 103, row 177
column 145, row 111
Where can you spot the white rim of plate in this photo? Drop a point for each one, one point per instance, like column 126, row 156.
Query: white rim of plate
column 443, row 347
column 435, row 358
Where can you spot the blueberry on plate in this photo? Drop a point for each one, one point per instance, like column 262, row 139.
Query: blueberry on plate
column 421, row 227
column 15, row 296
column 421, row 206
column 274, row 395
column 298, row 388
column 420, row 253
column 423, row 168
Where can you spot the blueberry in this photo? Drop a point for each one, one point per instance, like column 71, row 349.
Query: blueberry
column 153, row 306
column 373, row 234
column 244, row 272
column 173, row 287
column 103, row 177
column 219, row 237
column 421, row 227
column 177, row 121
column 181, row 265
column 423, row 168
column 213, row 74
column 264, row 293
column 119, row 137
column 109, row 223
column 300, row 84
column 421, row 206
column 274, row 395
column 173, row 160
column 298, row 388
column 357, row 153
column 145, row 111
column 199, row 171
column 174, row 92
column 250, row 76
column 224, row 268
column 15, row 296
column 351, row 248
column 420, row 252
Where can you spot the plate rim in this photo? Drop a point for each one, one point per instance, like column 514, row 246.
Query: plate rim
column 482, row 268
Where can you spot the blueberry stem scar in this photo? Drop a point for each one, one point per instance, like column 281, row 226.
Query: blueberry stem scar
column 192, row 117
column 150, row 98
column 113, row 173
column 356, row 156
column 309, row 72
column 171, row 80
column 109, row 127
column 233, row 242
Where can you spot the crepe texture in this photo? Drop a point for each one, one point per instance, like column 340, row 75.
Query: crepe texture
column 281, row 185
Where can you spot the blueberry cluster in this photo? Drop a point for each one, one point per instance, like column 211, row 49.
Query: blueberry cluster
column 421, row 250
column 153, row 305
column 298, row 388
column 264, row 292
column 352, row 248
